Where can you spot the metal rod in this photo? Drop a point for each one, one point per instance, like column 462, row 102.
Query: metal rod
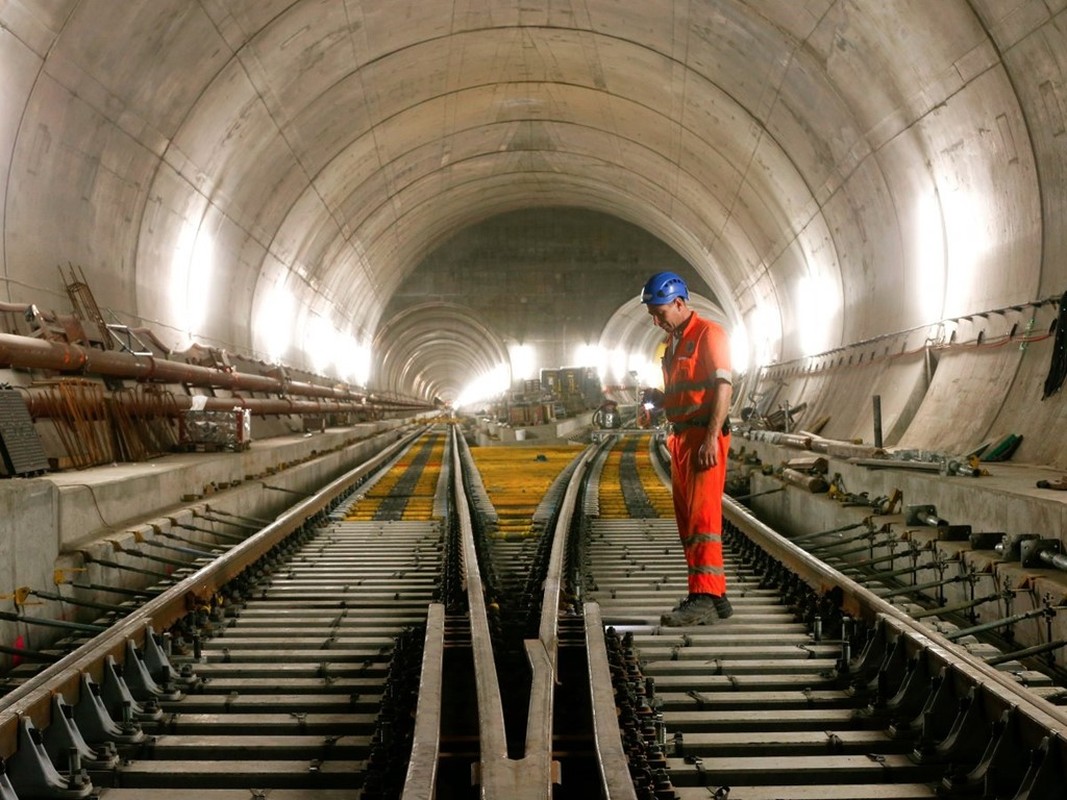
column 825, row 549
column 933, row 612
column 172, row 562
column 297, row 492
column 997, row 623
column 1036, row 650
column 757, row 494
column 243, row 525
column 83, row 603
column 141, row 594
column 896, row 573
column 7, row 616
column 127, row 567
column 232, row 537
column 817, row 534
column 225, row 513
column 856, row 566
column 922, row 586
column 29, row 655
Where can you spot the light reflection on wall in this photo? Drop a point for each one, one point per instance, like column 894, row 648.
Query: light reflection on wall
column 591, row 355
column 485, row 387
column 523, row 361
column 740, row 351
column 191, row 272
column 765, row 328
column 274, row 320
column 817, row 308
column 929, row 291
column 320, row 343
column 967, row 239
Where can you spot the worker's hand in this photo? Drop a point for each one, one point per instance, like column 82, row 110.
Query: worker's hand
column 708, row 454
column 653, row 397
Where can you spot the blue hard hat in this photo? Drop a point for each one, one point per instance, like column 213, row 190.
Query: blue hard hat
column 662, row 288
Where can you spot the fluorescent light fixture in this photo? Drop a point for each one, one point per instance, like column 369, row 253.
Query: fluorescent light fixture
column 274, row 320
column 191, row 270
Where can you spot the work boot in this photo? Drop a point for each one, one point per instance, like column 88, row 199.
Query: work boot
column 722, row 607
column 697, row 609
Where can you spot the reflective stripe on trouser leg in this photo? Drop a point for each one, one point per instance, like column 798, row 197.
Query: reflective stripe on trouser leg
column 698, row 510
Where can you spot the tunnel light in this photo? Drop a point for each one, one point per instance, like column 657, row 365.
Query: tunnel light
column 322, row 343
column 353, row 359
column 929, row 289
column 766, row 330
column 590, row 355
column 967, row 241
column 739, row 348
column 619, row 363
column 361, row 363
column 191, row 271
column 523, row 361
column 485, row 387
column 818, row 306
column 274, row 321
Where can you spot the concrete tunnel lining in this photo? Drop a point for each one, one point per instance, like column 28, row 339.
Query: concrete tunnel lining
column 323, row 150
column 260, row 174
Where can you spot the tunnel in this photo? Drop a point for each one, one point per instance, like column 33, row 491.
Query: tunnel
column 248, row 244
column 319, row 184
column 393, row 207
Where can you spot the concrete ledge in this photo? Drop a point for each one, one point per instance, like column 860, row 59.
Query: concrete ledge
column 105, row 498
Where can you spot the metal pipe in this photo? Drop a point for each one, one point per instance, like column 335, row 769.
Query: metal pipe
column 757, row 494
column 922, row 586
column 41, row 407
column 813, row 483
column 935, row 612
column 817, row 534
column 29, row 353
column 996, row 623
column 52, row 623
column 1036, row 650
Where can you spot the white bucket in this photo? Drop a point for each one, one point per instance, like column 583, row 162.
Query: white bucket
column 520, row 435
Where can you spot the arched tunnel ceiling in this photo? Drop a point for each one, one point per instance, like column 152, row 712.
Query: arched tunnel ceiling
column 253, row 173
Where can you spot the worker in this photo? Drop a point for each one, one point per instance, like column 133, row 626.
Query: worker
column 695, row 398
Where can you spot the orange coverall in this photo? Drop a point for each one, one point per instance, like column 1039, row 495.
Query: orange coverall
column 693, row 365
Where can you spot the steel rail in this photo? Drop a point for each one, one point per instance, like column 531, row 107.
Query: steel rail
column 421, row 780
column 33, row 698
column 537, row 766
column 998, row 689
column 494, row 766
column 612, row 761
column 1043, row 719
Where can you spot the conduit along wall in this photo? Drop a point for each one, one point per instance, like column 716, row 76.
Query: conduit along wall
column 100, row 393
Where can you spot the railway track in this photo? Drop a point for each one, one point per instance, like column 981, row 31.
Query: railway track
column 426, row 628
